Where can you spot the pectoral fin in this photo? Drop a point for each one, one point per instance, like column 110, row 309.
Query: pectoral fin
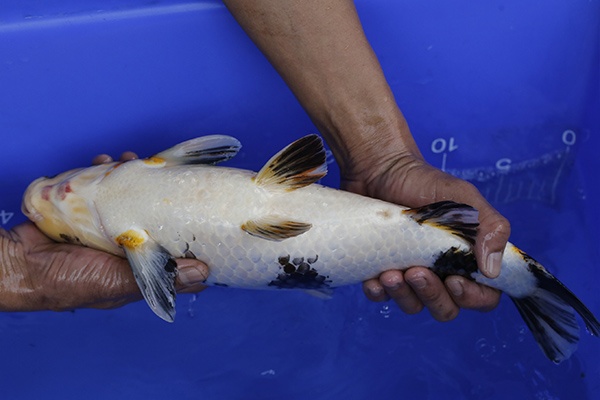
column 154, row 270
column 211, row 149
column 275, row 228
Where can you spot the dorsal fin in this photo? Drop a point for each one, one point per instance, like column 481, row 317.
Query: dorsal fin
column 458, row 219
column 211, row 149
column 301, row 163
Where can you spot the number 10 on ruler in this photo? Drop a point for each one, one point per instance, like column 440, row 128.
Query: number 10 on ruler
column 443, row 146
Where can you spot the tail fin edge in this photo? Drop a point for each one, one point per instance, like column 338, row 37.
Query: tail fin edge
column 552, row 323
column 549, row 312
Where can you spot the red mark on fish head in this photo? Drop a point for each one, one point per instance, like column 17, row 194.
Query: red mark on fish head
column 46, row 192
column 63, row 189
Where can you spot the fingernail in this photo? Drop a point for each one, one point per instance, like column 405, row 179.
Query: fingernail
column 392, row 284
column 418, row 283
column 493, row 263
column 190, row 275
column 455, row 286
column 375, row 291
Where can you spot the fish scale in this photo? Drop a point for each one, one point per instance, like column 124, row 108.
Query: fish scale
column 278, row 229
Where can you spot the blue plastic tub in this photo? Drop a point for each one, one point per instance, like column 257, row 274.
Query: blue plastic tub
column 506, row 95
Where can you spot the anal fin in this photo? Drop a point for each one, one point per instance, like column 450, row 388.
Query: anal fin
column 275, row 228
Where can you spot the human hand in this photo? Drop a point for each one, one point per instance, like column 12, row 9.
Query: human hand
column 410, row 181
column 37, row 273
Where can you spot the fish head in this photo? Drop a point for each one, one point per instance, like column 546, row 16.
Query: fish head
column 63, row 207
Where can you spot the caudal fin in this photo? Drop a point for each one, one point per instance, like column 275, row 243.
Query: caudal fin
column 550, row 315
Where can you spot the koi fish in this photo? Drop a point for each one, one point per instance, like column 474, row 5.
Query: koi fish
column 279, row 229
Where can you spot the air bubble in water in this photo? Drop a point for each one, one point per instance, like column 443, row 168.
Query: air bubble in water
column 484, row 348
column 190, row 310
column 385, row 311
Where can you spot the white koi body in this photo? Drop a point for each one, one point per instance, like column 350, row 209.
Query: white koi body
column 276, row 229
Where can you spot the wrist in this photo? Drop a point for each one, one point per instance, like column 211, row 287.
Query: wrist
column 367, row 137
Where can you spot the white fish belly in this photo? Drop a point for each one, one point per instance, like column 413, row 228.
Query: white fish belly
column 199, row 212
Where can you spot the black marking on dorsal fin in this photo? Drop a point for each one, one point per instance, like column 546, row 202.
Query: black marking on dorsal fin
column 210, row 149
column 458, row 219
column 300, row 164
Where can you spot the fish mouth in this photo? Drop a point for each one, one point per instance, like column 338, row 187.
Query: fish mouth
column 27, row 205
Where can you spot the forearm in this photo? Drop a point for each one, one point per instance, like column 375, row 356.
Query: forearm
column 320, row 50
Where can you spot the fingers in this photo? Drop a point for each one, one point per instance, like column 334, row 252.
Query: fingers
column 413, row 290
column 431, row 292
column 374, row 290
column 128, row 156
column 468, row 294
column 101, row 159
column 400, row 291
column 419, row 288
column 191, row 275
column 105, row 158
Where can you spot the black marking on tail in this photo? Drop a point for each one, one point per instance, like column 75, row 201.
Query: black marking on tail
column 552, row 324
column 549, row 282
column 549, row 312
column 458, row 219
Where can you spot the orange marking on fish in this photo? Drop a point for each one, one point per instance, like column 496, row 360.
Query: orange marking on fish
column 79, row 210
column 117, row 165
column 385, row 214
column 130, row 239
column 154, row 161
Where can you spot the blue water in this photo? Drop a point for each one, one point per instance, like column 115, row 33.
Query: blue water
column 505, row 95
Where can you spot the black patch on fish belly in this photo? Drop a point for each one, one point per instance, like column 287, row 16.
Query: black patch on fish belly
column 455, row 262
column 170, row 266
column 220, row 284
column 70, row 239
column 299, row 273
column 187, row 253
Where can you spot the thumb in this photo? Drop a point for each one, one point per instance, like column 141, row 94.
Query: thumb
column 494, row 231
